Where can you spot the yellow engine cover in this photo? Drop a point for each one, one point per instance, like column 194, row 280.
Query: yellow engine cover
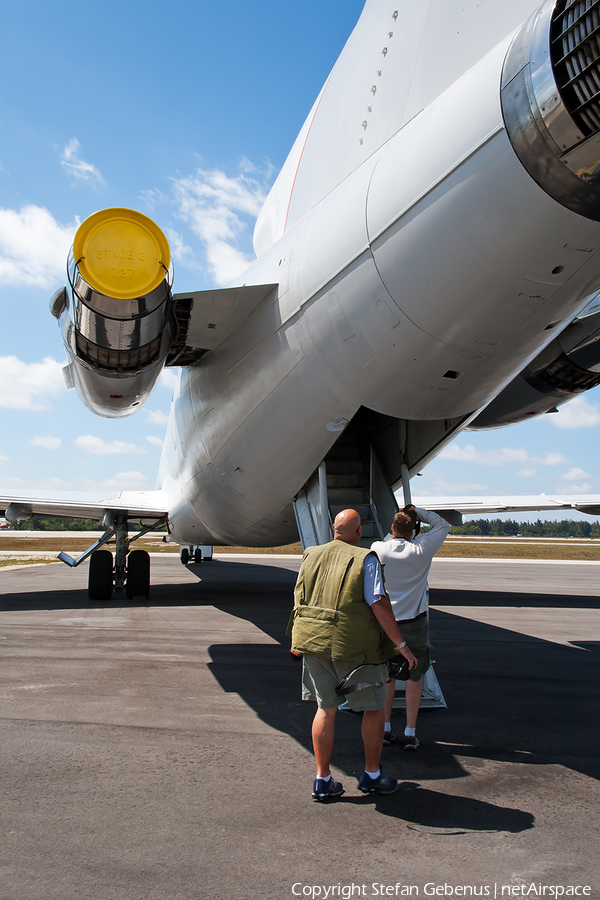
column 121, row 253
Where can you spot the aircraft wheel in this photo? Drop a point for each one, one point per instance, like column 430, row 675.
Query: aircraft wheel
column 197, row 556
column 185, row 556
column 138, row 575
column 100, row 575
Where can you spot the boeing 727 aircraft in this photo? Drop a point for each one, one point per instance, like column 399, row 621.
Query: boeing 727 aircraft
column 427, row 261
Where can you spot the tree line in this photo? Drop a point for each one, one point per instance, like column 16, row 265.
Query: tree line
column 563, row 528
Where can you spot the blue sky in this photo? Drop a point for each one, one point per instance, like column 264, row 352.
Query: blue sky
column 186, row 112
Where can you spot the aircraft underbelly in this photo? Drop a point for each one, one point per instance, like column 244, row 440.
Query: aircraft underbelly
column 418, row 287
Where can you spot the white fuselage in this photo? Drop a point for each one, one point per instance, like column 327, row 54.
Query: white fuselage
column 418, row 287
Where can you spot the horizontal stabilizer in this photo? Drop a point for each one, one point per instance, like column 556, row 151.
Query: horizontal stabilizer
column 206, row 318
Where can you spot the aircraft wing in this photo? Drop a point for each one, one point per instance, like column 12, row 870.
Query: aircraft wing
column 135, row 504
column 453, row 508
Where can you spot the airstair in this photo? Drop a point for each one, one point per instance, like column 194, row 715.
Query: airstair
column 352, row 477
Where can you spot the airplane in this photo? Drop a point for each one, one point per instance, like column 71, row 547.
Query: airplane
column 427, row 261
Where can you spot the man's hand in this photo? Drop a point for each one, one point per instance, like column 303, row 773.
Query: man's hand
column 382, row 610
column 407, row 653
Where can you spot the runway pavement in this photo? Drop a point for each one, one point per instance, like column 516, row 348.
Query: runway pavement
column 162, row 752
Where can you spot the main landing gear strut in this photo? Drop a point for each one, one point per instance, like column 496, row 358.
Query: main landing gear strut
column 131, row 568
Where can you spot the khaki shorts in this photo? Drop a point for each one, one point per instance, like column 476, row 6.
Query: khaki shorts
column 416, row 634
column 320, row 677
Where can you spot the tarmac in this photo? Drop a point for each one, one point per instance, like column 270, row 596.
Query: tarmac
column 161, row 751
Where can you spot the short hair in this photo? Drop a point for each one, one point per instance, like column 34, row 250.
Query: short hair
column 404, row 523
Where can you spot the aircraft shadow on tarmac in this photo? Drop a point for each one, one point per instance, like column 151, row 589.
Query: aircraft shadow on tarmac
column 511, row 698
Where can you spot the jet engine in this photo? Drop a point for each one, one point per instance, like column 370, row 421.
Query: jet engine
column 568, row 366
column 551, row 104
column 116, row 315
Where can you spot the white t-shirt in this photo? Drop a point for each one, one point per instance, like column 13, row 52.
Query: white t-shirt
column 406, row 565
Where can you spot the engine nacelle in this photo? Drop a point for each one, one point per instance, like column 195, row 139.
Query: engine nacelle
column 116, row 316
column 567, row 367
column 551, row 105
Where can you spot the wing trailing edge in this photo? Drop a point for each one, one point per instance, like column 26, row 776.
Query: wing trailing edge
column 470, row 506
column 136, row 505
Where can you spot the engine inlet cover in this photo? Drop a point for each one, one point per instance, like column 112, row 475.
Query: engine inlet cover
column 121, row 253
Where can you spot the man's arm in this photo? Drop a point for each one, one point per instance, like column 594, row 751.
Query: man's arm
column 380, row 605
column 382, row 610
column 438, row 531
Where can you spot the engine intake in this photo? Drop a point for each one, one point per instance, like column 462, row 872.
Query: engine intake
column 551, row 101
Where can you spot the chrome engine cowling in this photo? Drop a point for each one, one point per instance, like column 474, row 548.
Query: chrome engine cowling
column 117, row 343
column 568, row 366
column 551, row 104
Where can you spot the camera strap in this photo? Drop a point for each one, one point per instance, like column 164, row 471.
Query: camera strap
column 396, row 670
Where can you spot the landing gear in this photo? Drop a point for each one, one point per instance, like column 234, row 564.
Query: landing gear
column 131, row 569
column 138, row 575
column 100, row 576
column 196, row 553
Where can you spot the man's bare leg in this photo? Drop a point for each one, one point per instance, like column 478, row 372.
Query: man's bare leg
column 389, row 699
column 372, row 735
column 323, row 731
column 413, row 700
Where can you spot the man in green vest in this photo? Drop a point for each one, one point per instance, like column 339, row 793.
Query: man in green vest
column 342, row 618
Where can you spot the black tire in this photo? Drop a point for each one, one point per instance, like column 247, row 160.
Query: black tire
column 197, row 556
column 100, row 575
column 185, row 556
column 138, row 575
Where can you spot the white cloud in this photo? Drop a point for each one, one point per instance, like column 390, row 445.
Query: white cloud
column 151, row 198
column 169, row 378
column 122, row 481
column 158, row 442
column 528, row 472
column 575, row 475
column 3, row 459
column 437, row 487
column 77, row 168
column 219, row 208
column 46, row 441
column 33, row 246
column 27, row 385
column 583, row 487
column 97, row 445
column 125, row 481
column 49, row 485
column 502, row 457
column 578, row 413
column 181, row 252
column 156, row 416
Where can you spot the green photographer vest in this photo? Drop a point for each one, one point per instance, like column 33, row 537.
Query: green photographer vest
column 331, row 617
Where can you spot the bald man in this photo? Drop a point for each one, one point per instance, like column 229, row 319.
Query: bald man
column 342, row 618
